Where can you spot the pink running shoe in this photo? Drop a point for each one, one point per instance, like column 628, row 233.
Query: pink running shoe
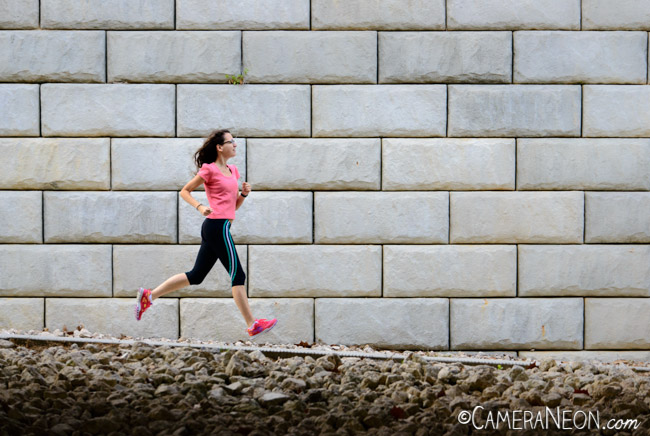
column 144, row 302
column 261, row 325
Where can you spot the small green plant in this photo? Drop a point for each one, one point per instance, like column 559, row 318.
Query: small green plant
column 499, row 366
column 237, row 79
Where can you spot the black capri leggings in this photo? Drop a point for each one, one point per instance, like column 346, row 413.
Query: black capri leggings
column 216, row 243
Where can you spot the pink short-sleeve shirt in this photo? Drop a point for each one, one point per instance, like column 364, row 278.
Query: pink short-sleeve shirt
column 221, row 190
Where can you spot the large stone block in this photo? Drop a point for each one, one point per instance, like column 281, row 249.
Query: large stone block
column 584, row 270
column 242, row 14
column 45, row 56
column 381, row 217
column 19, row 14
column 250, row 110
column 447, row 164
column 144, row 217
column 132, row 169
column 55, row 270
column 218, row 319
column 315, row 271
column 150, row 265
column 99, row 14
column 21, row 217
column 63, row 163
column 515, row 323
column 450, row 271
column 617, row 217
column 337, row 164
column 263, row 218
column 379, row 110
column 113, row 316
column 616, row 110
column 616, row 15
column 174, row 56
column 580, row 57
column 401, row 323
column 378, row 14
column 108, row 110
column 617, row 323
column 22, row 313
column 468, row 57
column 20, row 111
column 514, row 110
column 316, row 57
column 516, row 217
column 513, row 14
column 583, row 164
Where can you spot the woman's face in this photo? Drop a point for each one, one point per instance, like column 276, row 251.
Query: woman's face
column 229, row 146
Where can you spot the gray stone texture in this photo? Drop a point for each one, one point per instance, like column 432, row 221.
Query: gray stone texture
column 585, row 164
column 580, row 57
column 516, row 217
column 19, row 111
column 272, row 217
column 420, row 323
column 378, row 14
column 55, row 270
column 46, row 56
column 324, row 164
column 21, row 217
column 310, row 57
column 242, row 14
column 315, row 271
column 584, row 270
column 617, row 217
column 513, row 323
column 616, row 110
column 379, row 110
column 381, row 217
column 219, row 319
column 144, row 217
column 450, row 271
column 18, row 14
column 100, row 14
column 113, row 316
column 616, row 15
column 577, row 356
column 22, row 313
column 453, row 57
column 513, row 14
column 61, row 163
column 250, row 110
column 148, row 266
column 174, row 56
column 107, row 110
column 448, row 164
column 161, row 163
column 514, row 110
column 617, row 323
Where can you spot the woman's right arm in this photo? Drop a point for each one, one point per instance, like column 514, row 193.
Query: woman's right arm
column 187, row 196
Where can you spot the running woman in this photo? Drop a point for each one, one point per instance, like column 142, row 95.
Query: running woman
column 216, row 242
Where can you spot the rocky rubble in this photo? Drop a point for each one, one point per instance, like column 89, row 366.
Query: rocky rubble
column 146, row 390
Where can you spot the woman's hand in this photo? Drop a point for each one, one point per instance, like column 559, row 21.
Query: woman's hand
column 205, row 211
column 245, row 188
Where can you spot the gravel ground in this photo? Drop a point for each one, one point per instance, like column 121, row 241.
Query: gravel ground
column 72, row 389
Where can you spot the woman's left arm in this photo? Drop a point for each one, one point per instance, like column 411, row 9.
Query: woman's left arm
column 246, row 189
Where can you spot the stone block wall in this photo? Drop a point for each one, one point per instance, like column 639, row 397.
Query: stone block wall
column 446, row 174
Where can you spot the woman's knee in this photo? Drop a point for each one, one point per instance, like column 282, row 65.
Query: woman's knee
column 195, row 278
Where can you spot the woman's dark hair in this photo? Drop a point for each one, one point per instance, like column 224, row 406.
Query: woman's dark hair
column 208, row 151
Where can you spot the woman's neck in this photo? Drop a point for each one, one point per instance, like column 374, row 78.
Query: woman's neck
column 221, row 162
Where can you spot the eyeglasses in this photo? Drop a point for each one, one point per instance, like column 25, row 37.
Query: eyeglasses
column 234, row 141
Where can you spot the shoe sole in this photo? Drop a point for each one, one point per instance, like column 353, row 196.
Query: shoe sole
column 266, row 330
column 138, row 304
